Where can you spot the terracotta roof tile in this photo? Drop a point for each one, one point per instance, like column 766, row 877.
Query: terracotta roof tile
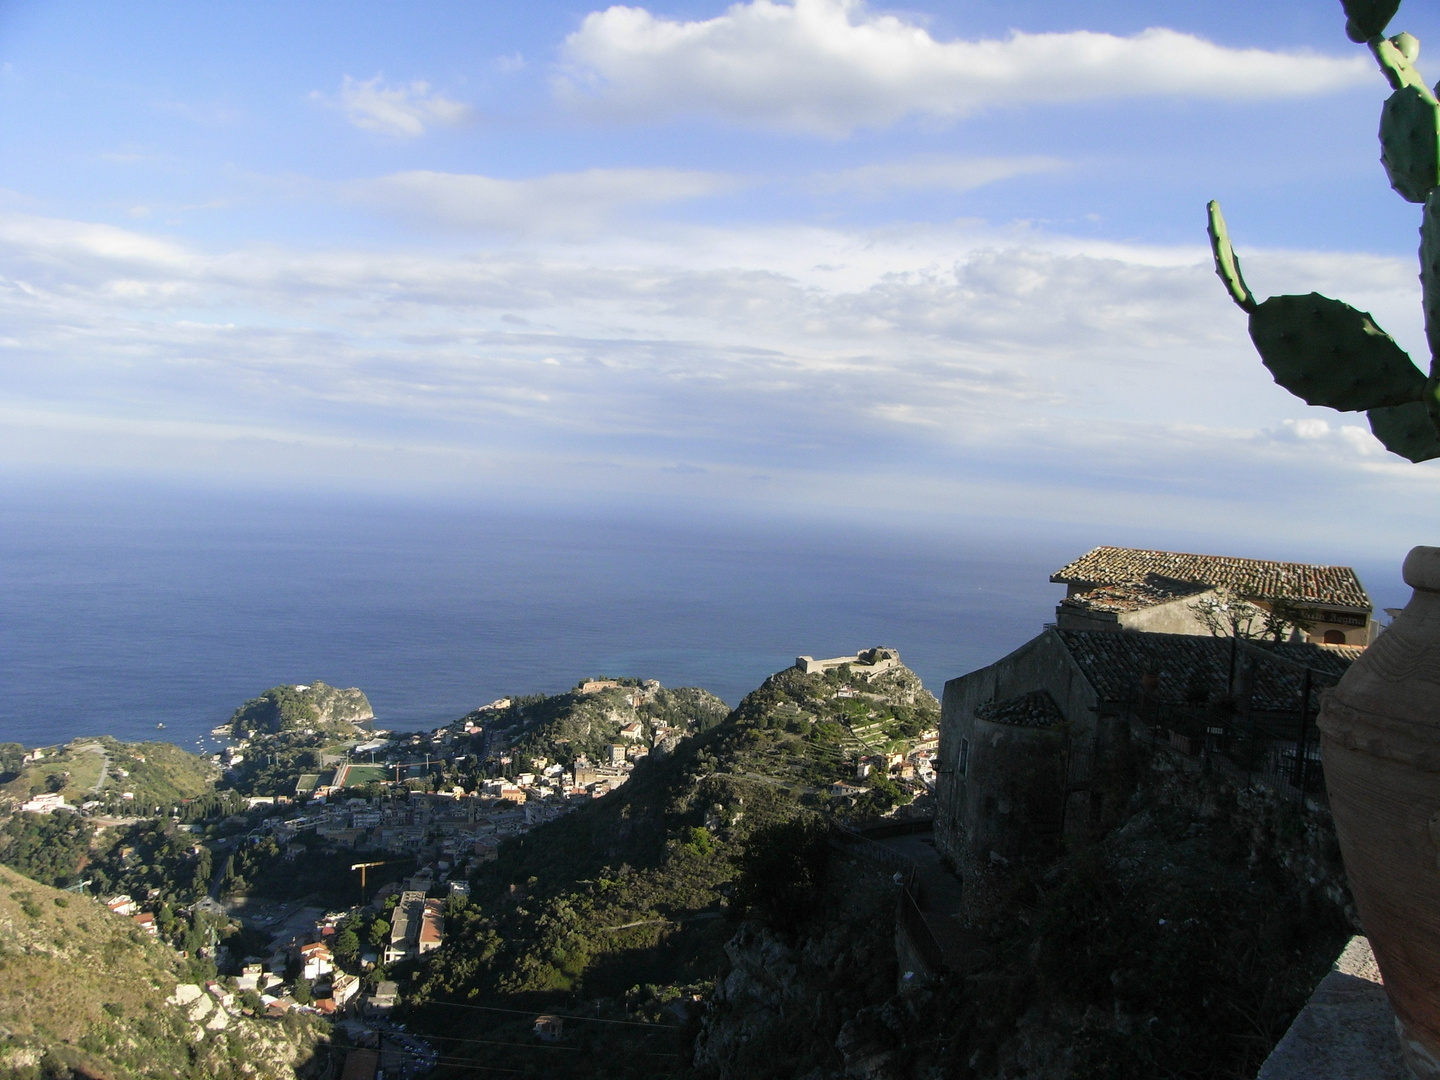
column 1335, row 586
column 1133, row 597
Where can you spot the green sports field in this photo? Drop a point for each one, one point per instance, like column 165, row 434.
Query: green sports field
column 356, row 775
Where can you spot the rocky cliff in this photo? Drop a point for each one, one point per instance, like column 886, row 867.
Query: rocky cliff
column 1182, row 943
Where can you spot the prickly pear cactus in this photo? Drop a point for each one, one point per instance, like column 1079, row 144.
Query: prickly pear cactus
column 1406, row 430
column 1330, row 354
column 1365, row 19
column 1327, row 352
column 1409, row 144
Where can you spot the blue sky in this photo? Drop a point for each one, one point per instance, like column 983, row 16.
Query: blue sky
column 940, row 261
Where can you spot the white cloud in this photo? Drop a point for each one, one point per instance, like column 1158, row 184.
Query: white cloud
column 834, row 65
column 1019, row 369
column 558, row 202
column 1309, row 428
column 930, row 172
column 402, row 111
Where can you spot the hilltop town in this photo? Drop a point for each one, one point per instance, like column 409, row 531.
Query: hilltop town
column 740, row 890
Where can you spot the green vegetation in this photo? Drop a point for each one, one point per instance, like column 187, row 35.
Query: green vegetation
column 318, row 707
column 263, row 868
column 51, row 848
column 158, row 775
column 83, row 992
column 782, row 873
column 151, row 855
column 281, row 708
column 625, row 904
column 1325, row 351
column 12, row 760
column 561, row 728
column 292, row 730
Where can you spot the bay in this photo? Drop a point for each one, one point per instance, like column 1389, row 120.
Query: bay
column 121, row 610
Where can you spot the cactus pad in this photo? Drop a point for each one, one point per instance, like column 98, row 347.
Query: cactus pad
column 1331, row 354
column 1227, row 263
column 1430, row 270
column 1409, row 146
column 1406, row 430
column 1364, row 19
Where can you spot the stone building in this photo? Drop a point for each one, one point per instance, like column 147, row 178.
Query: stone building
column 1035, row 746
column 864, row 665
column 1114, row 588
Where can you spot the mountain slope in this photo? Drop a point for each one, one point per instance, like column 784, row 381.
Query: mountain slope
column 620, row 910
column 566, row 726
column 86, row 991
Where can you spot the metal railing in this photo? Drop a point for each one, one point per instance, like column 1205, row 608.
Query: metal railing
column 912, row 922
column 1281, row 744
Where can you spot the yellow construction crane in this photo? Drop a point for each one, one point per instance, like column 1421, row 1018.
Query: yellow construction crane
column 362, row 867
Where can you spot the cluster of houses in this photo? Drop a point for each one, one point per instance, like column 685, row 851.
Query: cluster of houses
column 47, row 803
column 122, row 904
column 417, row 927
column 914, row 767
column 458, row 825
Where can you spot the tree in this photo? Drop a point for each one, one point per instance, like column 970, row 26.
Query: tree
column 379, row 932
column 303, row 994
column 1227, row 613
column 347, row 946
column 782, row 870
column 1286, row 614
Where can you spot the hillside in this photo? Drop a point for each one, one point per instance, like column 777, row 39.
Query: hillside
column 85, row 992
column 155, row 774
column 626, row 905
column 1182, row 944
column 704, row 921
column 317, row 707
column 566, row 726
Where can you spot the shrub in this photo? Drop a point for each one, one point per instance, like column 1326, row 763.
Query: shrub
column 782, row 869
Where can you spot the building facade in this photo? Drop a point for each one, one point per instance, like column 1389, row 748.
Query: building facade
column 1114, row 588
column 1037, row 746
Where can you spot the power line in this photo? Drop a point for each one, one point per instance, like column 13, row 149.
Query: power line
column 536, row 1046
column 563, row 1016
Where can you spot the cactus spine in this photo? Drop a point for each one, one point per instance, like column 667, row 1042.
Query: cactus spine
column 1325, row 351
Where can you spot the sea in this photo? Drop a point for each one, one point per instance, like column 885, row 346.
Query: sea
column 147, row 614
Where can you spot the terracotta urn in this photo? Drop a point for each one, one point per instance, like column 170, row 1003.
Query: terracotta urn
column 1380, row 741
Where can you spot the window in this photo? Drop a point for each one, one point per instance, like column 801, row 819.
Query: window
column 1334, row 637
column 964, row 756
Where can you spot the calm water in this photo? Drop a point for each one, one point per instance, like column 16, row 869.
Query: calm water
column 117, row 614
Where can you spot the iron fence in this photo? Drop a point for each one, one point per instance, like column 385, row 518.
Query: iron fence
column 1280, row 744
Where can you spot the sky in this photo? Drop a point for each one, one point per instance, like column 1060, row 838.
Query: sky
column 943, row 262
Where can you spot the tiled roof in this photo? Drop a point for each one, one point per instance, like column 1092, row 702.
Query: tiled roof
column 1301, row 582
column 1115, row 663
column 1133, row 597
column 1035, row 709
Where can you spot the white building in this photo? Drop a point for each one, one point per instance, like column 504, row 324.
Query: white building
column 45, row 804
